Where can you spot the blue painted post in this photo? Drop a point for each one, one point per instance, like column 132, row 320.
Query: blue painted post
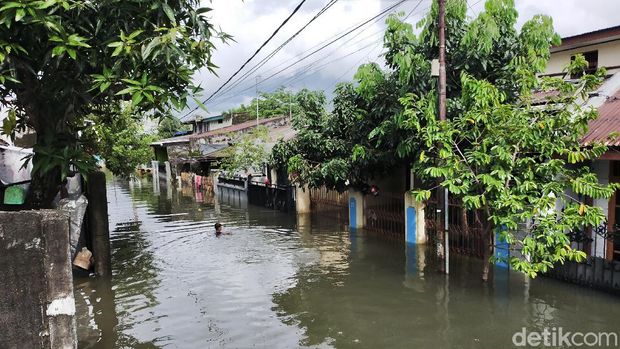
column 502, row 249
column 410, row 237
column 352, row 213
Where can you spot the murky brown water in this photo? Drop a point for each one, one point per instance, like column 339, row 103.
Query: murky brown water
column 279, row 283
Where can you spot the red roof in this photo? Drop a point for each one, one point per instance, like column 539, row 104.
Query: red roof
column 236, row 128
column 608, row 122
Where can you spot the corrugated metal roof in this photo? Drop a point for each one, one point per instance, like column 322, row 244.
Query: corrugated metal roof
column 592, row 37
column 236, row 128
column 197, row 118
column 607, row 123
column 171, row 140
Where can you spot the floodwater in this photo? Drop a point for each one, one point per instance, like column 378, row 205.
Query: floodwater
column 280, row 282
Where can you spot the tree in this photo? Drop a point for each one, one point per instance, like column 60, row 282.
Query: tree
column 121, row 141
column 271, row 104
column 62, row 62
column 512, row 164
column 169, row 126
column 247, row 151
column 390, row 117
column 320, row 154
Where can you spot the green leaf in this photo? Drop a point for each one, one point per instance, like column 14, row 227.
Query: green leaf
column 136, row 98
column 72, row 53
column 58, row 50
column 19, row 14
column 146, row 51
column 169, row 13
column 10, row 5
column 200, row 104
column 117, row 51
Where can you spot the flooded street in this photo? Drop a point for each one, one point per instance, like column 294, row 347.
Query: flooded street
column 277, row 282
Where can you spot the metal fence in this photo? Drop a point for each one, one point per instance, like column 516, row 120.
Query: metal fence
column 595, row 272
column 330, row 203
column 465, row 231
column 272, row 196
column 385, row 215
column 601, row 269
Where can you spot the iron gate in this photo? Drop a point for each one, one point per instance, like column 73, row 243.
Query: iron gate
column 464, row 229
column 330, row 203
column 385, row 215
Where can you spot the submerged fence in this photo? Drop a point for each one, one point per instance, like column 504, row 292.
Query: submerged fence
column 385, row 215
column 465, row 231
column 601, row 269
column 330, row 203
column 277, row 197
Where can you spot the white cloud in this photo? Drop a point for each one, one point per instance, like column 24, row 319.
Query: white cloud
column 252, row 21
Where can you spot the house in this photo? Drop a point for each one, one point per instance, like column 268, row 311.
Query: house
column 601, row 49
column 210, row 123
column 201, row 149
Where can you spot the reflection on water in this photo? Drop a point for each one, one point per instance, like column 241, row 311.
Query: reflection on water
column 281, row 281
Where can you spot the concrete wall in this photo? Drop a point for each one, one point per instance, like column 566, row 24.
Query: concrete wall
column 415, row 224
column 37, row 307
column 302, row 199
column 215, row 125
column 608, row 55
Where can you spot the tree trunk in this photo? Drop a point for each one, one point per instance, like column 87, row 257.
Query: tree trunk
column 43, row 189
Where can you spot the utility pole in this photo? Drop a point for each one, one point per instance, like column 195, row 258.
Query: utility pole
column 443, row 192
column 290, row 105
column 257, row 78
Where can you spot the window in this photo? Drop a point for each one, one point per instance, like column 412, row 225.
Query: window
column 220, row 121
column 592, row 58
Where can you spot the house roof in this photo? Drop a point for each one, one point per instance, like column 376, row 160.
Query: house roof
column 590, row 38
column 236, row 128
column 171, row 141
column 190, row 119
column 602, row 129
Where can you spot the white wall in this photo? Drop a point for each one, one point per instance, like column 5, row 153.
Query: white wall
column 214, row 125
column 601, row 169
column 608, row 55
column 11, row 163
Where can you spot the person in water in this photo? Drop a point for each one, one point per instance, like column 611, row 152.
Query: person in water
column 218, row 229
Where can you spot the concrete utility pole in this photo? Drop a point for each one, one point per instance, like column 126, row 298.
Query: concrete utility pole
column 257, row 78
column 290, row 105
column 443, row 194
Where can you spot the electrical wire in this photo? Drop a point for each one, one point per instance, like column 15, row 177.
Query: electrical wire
column 339, row 37
column 255, row 53
column 275, row 51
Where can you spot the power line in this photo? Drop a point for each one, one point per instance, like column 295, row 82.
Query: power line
column 305, row 69
column 339, row 37
column 274, row 52
column 255, row 53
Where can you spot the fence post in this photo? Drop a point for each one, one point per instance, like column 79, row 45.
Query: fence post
column 415, row 228
column 356, row 209
column 501, row 249
column 302, row 199
column 98, row 223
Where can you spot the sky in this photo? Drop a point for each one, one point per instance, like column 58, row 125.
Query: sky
column 251, row 22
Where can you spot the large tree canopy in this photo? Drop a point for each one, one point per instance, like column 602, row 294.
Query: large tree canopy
column 505, row 158
column 62, row 62
column 373, row 135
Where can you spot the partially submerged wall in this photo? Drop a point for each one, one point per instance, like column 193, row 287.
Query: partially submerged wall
column 37, row 307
